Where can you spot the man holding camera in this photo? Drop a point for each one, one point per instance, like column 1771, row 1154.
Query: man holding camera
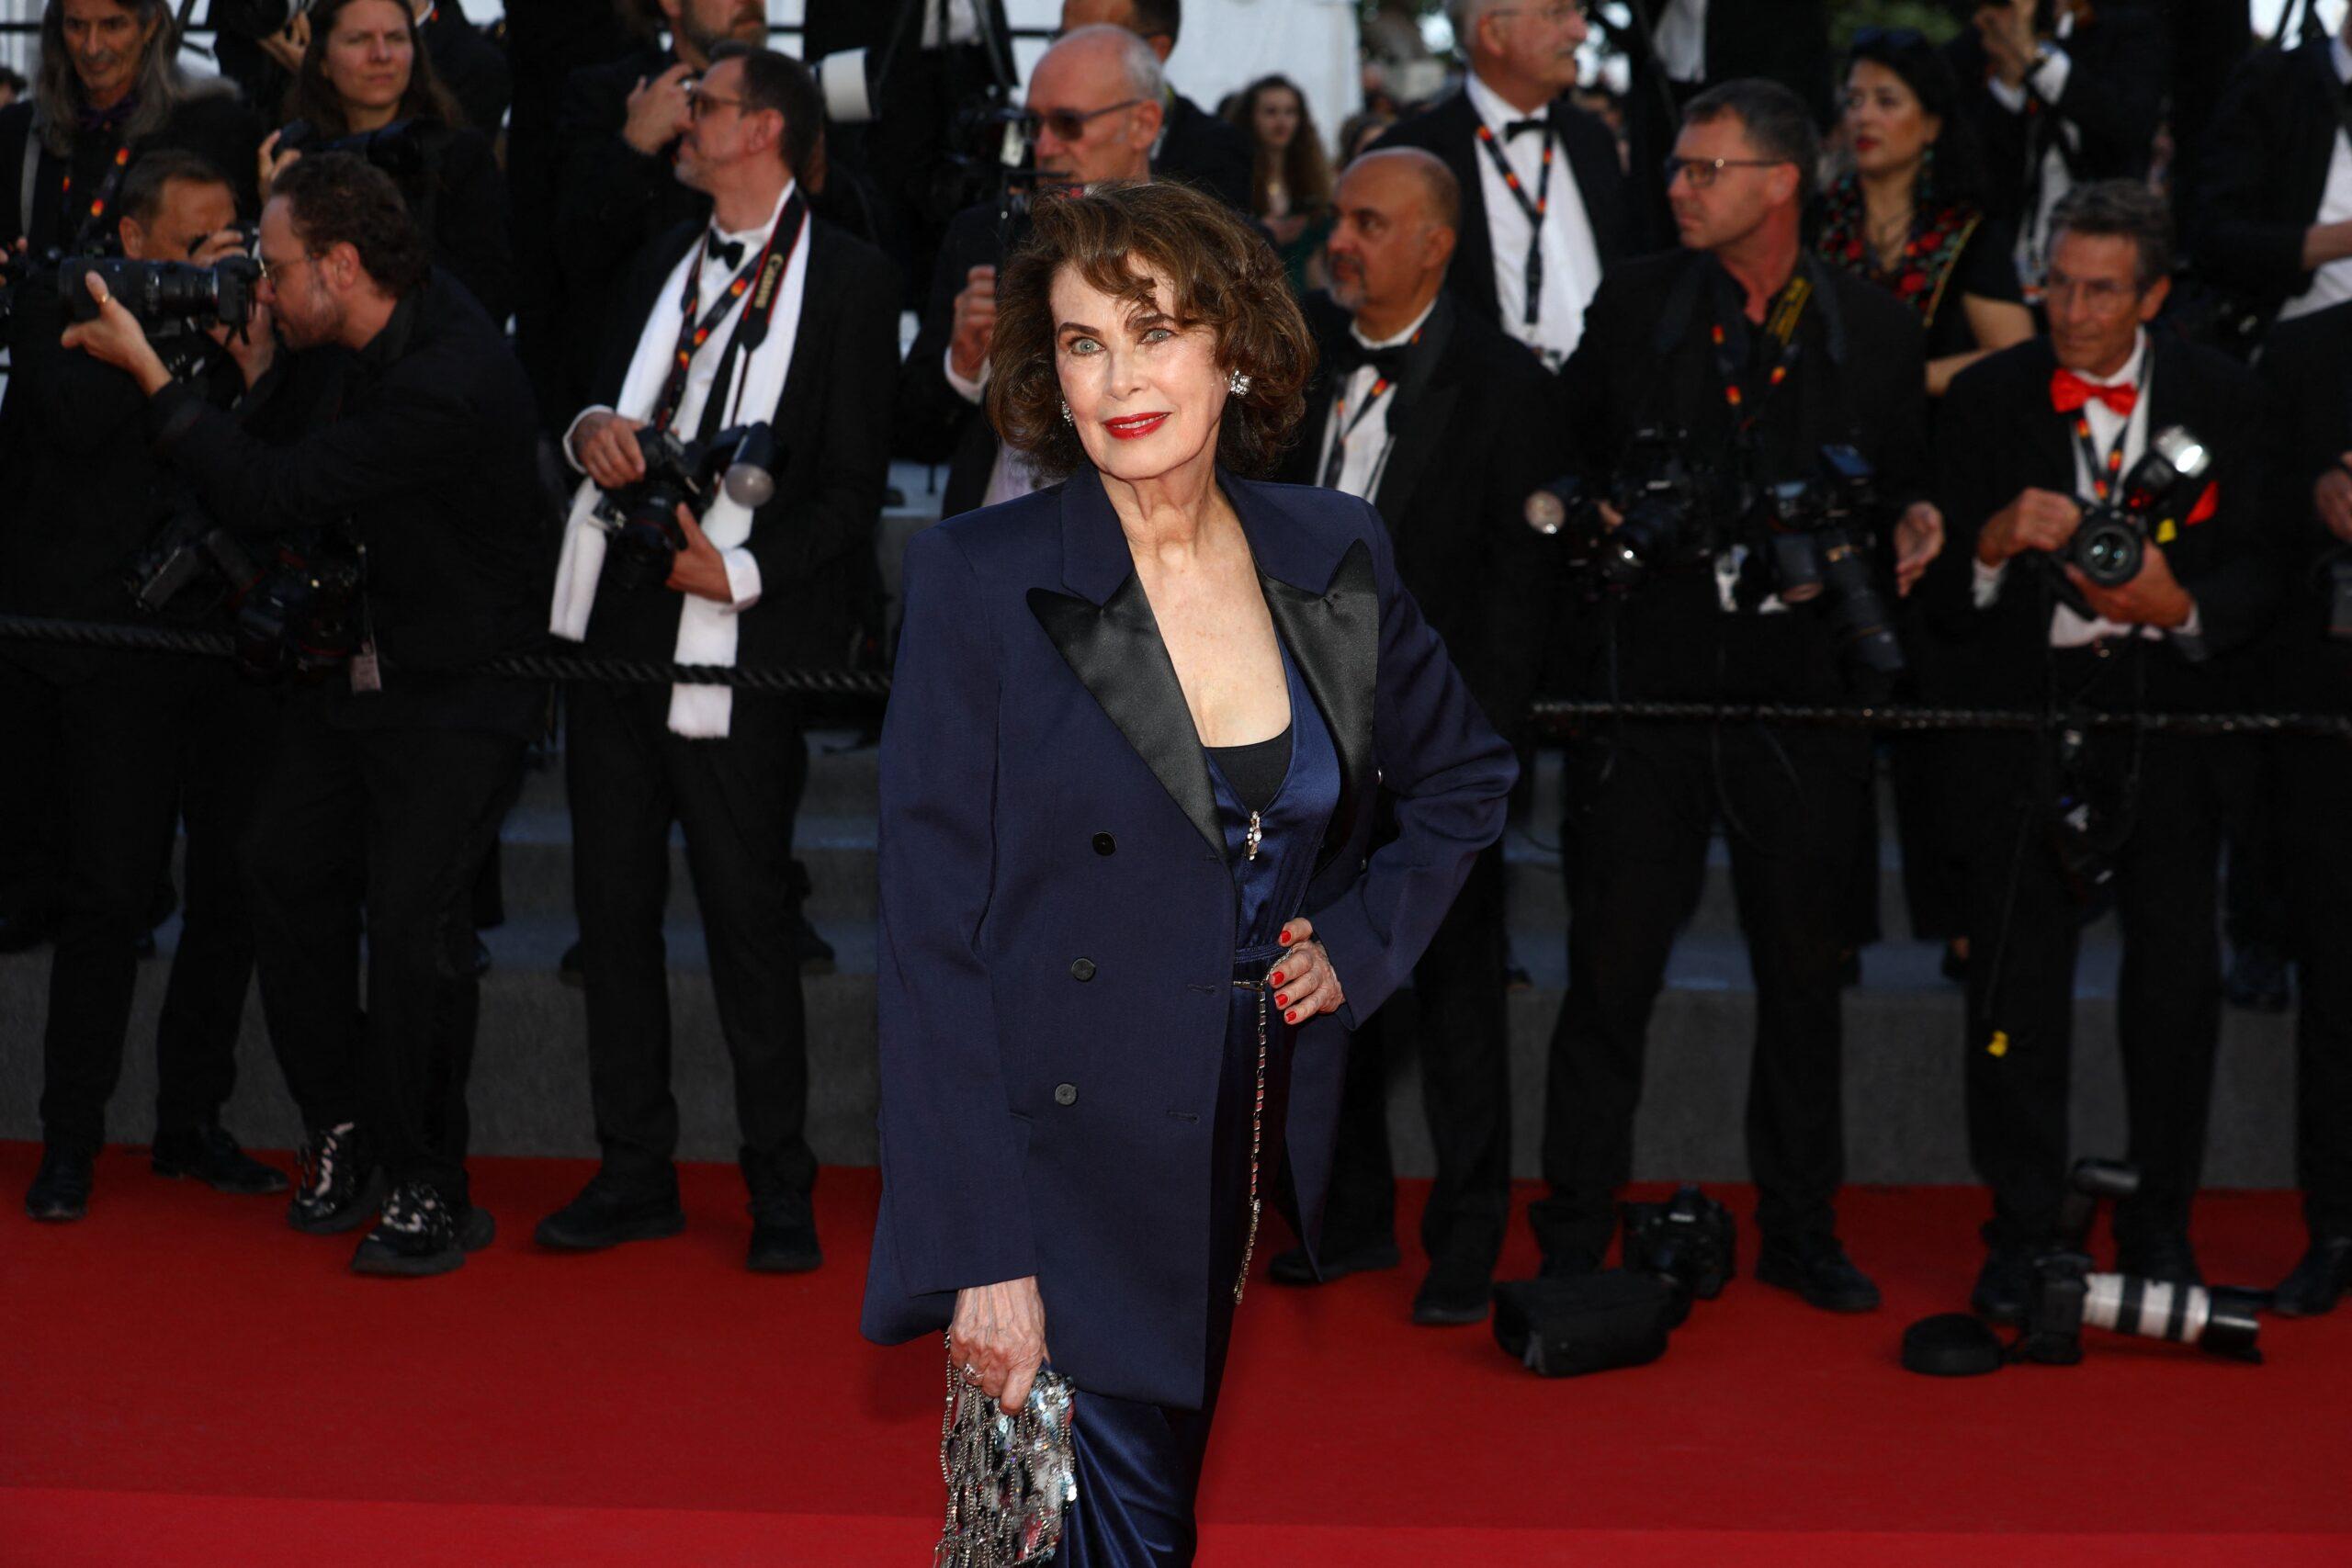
column 765, row 328
column 2083, row 581
column 393, row 771
column 88, row 496
column 1734, row 363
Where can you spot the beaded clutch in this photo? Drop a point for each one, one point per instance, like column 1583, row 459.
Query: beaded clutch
column 1009, row 1477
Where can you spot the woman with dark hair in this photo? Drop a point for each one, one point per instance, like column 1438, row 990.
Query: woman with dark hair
column 1908, row 214
column 365, row 72
column 1290, row 185
column 1130, row 904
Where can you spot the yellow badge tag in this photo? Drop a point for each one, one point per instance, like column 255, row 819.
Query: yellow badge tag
column 2000, row 1043
column 2166, row 533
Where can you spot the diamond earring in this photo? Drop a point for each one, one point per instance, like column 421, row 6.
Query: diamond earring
column 1065, row 418
column 1237, row 384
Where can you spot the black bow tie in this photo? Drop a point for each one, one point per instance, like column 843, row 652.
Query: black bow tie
column 1351, row 357
column 728, row 251
column 1512, row 130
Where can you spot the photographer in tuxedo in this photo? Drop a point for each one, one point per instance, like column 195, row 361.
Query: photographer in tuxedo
column 1544, row 210
column 2034, row 443
column 1094, row 112
column 762, row 316
column 1430, row 413
column 1742, row 365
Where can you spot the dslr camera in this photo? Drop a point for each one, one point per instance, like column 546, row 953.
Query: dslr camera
column 397, row 149
column 1688, row 1242
column 2111, row 544
column 642, row 517
column 188, row 551
column 1819, row 540
column 299, row 620
column 2067, row 1296
column 1657, row 491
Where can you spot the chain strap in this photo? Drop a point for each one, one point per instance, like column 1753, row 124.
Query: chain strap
column 1257, row 1140
column 1011, row 1479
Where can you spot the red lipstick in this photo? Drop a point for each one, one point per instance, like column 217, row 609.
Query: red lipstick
column 1134, row 426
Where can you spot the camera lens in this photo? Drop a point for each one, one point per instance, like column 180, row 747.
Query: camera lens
column 2108, row 553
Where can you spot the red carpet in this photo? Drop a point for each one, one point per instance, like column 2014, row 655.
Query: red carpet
column 182, row 1381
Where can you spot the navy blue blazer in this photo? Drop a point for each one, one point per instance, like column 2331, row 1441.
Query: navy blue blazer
column 1058, row 914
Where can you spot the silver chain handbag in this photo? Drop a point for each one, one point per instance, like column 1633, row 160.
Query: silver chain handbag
column 1009, row 1477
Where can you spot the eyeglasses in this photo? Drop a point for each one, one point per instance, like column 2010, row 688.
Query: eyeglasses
column 1703, row 171
column 2101, row 294
column 273, row 273
column 699, row 104
column 1068, row 125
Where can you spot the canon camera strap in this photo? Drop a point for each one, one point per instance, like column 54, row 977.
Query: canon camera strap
column 1534, row 210
column 766, row 270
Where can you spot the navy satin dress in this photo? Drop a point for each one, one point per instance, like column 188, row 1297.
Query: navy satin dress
column 1139, row 1464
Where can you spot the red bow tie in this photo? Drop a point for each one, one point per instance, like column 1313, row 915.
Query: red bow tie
column 2069, row 392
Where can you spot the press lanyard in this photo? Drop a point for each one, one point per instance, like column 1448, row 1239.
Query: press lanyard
column 2103, row 474
column 1534, row 210
column 100, row 202
column 767, row 267
column 1781, row 321
column 1381, row 387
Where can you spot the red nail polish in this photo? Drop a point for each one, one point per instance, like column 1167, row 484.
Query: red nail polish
column 1285, row 938
column 1273, row 979
column 1282, row 1001
column 1290, row 1018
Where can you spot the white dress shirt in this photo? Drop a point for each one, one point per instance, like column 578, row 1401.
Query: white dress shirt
column 2068, row 627
column 1368, row 445
column 2331, row 285
column 2047, row 82
column 1571, row 255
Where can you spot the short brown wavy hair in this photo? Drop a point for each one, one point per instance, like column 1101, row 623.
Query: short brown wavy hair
column 1223, row 276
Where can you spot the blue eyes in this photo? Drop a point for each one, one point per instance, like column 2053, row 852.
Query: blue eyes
column 1087, row 345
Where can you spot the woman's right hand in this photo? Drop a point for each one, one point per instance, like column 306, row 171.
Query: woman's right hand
column 272, row 162
column 287, row 45
column 998, row 1339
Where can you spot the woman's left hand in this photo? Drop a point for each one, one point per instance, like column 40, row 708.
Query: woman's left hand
column 1303, row 979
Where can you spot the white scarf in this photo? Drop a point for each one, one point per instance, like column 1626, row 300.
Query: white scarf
column 707, row 629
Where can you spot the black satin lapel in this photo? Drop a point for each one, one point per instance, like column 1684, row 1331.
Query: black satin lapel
column 1117, row 653
column 1421, row 430
column 1335, row 638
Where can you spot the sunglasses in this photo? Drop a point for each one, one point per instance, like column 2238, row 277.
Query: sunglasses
column 1068, row 125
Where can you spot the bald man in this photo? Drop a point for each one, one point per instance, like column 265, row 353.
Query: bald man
column 1428, row 410
column 1194, row 146
column 1095, row 99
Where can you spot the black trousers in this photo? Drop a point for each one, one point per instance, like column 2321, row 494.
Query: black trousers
column 392, row 823
column 629, row 779
column 2317, row 774
column 1457, row 1026
column 2025, row 932
column 120, row 725
column 31, row 803
column 1642, row 803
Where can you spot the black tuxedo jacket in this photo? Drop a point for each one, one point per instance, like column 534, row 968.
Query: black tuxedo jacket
column 933, row 423
column 832, row 25
column 814, row 540
column 1997, row 434
column 2114, row 98
column 1451, row 130
column 1204, row 151
column 2265, row 170
column 1647, row 359
column 1467, row 444
column 2307, row 365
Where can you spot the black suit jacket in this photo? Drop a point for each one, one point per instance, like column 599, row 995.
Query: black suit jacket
column 2307, row 367
column 1202, row 151
column 933, row 423
column 1451, row 130
column 469, row 65
column 1646, row 360
column 1997, row 434
column 814, row 540
column 1467, row 444
column 2265, row 170
column 2114, row 98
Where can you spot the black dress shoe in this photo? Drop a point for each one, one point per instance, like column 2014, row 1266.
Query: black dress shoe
column 60, row 1188
column 2323, row 1275
column 208, row 1154
column 338, row 1186
column 2257, row 978
column 1816, row 1268
column 421, row 1232
column 606, row 1214
column 2004, row 1285
column 783, row 1246
column 2165, row 1256
column 1457, row 1290
column 1291, row 1268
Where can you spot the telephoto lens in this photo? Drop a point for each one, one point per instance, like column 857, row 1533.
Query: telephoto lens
column 2220, row 1321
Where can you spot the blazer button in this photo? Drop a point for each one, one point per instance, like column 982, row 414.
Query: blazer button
column 1104, row 844
column 1081, row 971
column 1065, row 1094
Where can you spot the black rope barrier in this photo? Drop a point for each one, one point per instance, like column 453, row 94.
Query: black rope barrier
column 1551, row 715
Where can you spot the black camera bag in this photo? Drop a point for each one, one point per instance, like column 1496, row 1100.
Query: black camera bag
column 1584, row 1323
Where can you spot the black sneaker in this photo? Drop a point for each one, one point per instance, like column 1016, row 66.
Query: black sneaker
column 2318, row 1282
column 606, row 1214
column 337, row 1187
column 419, row 1233
column 208, row 1154
column 1291, row 1268
column 1816, row 1268
column 2004, row 1285
column 1457, row 1290
column 2166, row 1256
column 783, row 1246
column 61, row 1190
